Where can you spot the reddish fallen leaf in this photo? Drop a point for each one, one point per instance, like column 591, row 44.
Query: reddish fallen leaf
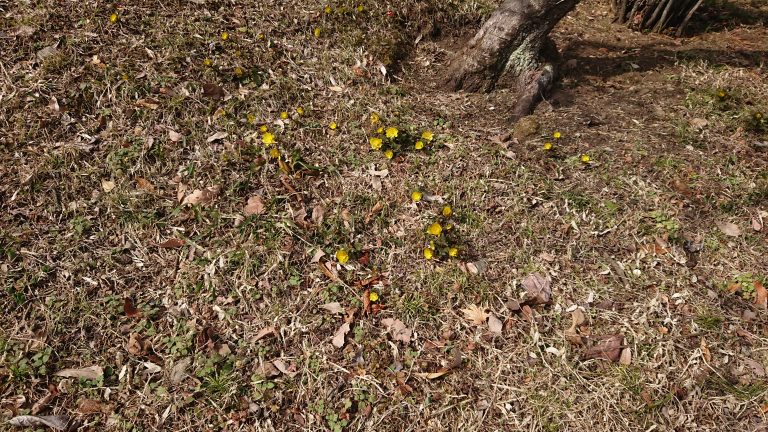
column 366, row 301
column 172, row 243
column 607, row 348
column 136, row 345
column 90, row 406
column 329, row 270
column 364, row 258
column 129, row 308
column 761, row 295
column 213, row 91
column 144, row 184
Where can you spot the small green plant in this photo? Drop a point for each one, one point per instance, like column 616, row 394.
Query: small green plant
column 665, row 222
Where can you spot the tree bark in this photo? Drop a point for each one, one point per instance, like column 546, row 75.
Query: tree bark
column 512, row 45
column 655, row 15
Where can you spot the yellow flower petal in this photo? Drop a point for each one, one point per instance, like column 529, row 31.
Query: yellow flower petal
column 373, row 296
column 342, row 256
column 416, row 196
column 374, row 118
column 300, row 111
column 429, row 253
column 333, row 126
column 113, row 18
column 224, row 36
column 389, row 154
column 435, row 229
column 447, row 211
column 274, row 153
column 208, row 62
column 585, row 158
column 375, row 143
column 427, row 135
column 419, row 145
column 557, row 135
column 317, row 32
column 268, row 138
column 392, row 132
column 284, row 115
column 548, row 146
column 453, row 252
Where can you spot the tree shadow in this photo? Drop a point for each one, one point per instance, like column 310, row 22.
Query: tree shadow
column 590, row 63
column 720, row 15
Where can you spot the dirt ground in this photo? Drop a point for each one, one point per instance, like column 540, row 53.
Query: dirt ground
column 201, row 227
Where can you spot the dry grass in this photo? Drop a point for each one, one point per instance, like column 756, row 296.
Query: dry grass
column 90, row 178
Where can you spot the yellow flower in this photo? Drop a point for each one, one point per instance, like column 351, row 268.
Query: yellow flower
column 375, row 143
column 453, row 252
column 284, row 115
column 327, row 9
column 125, row 77
column 758, row 115
column 380, row 130
column 427, row 135
column 261, row 36
column 239, row 72
column 373, row 296
column 333, row 126
column 419, row 145
column 585, row 158
column 548, row 146
column 389, row 154
column 224, row 36
column 721, row 94
column 208, row 62
column 113, row 18
column 360, row 8
column 448, row 226
column 447, row 211
column 274, row 153
column 300, row 111
column 392, row 132
column 317, row 32
column 268, row 138
column 557, row 135
column 429, row 253
column 435, row 229
column 374, row 118
column 251, row 118
column 342, row 256
column 263, row 128
column 416, row 196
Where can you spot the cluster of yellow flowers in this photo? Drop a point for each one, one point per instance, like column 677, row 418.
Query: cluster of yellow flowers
column 390, row 140
column 442, row 238
column 269, row 139
column 550, row 147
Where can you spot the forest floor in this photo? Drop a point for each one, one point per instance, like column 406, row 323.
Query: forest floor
column 196, row 233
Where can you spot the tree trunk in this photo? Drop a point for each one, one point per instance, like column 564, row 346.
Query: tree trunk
column 654, row 15
column 512, row 45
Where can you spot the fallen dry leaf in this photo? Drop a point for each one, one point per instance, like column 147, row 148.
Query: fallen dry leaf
column 217, row 136
column 571, row 333
column 475, row 314
column 494, row 324
column 174, row 136
column 255, row 206
column 179, row 371
column 53, row 422
column 43, row 402
column 705, row 350
column 89, row 373
column 626, row 357
column 285, row 369
column 341, row 333
column 266, row 331
column 729, row 229
column 148, row 103
column 761, row 295
column 398, row 330
column 129, row 308
column 318, row 214
column 201, row 196
column 213, row 91
column 144, row 184
column 607, row 348
column 172, row 243
column 432, row 375
column 136, row 344
column 91, row 406
column 477, row 267
column 757, row 224
column 107, row 185
column 538, row 289
column 334, row 308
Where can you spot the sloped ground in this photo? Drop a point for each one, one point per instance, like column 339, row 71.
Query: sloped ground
column 209, row 316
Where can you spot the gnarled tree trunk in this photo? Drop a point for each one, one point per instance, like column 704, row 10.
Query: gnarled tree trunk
column 654, row 15
column 512, row 46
